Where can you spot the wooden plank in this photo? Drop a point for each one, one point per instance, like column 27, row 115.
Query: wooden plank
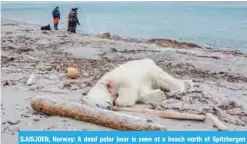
column 102, row 117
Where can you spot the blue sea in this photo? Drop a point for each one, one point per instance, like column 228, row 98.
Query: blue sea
column 214, row 24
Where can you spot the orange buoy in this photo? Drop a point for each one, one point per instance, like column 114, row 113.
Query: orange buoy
column 72, row 73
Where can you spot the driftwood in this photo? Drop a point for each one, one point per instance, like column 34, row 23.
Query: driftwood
column 162, row 114
column 102, row 117
column 217, row 123
column 175, row 115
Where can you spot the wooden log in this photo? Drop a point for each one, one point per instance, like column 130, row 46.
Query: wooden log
column 217, row 123
column 162, row 114
column 102, row 117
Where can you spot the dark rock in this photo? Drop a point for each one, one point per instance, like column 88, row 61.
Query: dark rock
column 114, row 50
column 6, row 83
column 36, row 119
column 13, row 122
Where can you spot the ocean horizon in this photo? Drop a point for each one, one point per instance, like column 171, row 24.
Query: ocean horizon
column 210, row 24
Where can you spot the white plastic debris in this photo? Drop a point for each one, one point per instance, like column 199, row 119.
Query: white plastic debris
column 30, row 80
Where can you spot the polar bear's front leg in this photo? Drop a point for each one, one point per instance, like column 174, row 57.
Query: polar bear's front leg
column 154, row 97
column 127, row 96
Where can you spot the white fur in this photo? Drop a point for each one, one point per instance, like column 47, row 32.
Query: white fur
column 138, row 80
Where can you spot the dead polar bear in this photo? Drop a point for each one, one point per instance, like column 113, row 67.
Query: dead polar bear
column 137, row 80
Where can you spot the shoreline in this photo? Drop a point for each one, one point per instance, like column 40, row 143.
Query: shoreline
column 163, row 42
column 219, row 76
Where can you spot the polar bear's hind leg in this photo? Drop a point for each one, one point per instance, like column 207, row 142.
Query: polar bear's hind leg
column 166, row 82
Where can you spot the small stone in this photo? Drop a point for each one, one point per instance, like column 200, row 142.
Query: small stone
column 13, row 122
column 66, row 84
column 221, row 72
column 74, row 87
column 57, row 68
column 6, row 83
column 84, row 93
column 11, row 59
column 49, row 68
column 114, row 50
column 85, row 74
column 63, row 120
column 26, row 116
column 36, row 119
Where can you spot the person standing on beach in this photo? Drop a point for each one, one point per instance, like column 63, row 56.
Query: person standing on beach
column 74, row 20
column 69, row 20
column 56, row 17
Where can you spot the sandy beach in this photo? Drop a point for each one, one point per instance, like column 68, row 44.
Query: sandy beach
column 220, row 77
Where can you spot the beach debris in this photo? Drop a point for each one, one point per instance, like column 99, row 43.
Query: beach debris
column 173, row 43
column 98, row 116
column 162, row 114
column 116, row 37
column 30, row 80
column 6, row 83
column 104, row 35
column 74, row 87
column 13, row 122
column 72, row 73
column 216, row 122
column 114, row 119
column 24, row 50
column 36, row 119
column 229, row 105
column 85, row 74
column 114, row 49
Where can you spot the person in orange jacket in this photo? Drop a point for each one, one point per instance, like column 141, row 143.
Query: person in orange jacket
column 69, row 20
column 56, row 17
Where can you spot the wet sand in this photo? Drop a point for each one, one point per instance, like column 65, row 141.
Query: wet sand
column 220, row 77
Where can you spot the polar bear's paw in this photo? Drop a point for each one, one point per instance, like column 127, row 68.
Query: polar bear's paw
column 155, row 97
column 185, row 87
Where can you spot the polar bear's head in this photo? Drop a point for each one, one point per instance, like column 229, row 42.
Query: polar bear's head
column 99, row 97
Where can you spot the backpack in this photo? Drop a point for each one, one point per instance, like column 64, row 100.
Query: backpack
column 72, row 15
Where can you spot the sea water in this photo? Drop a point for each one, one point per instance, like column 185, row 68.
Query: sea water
column 213, row 24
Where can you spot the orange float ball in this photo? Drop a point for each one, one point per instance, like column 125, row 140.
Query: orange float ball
column 72, row 73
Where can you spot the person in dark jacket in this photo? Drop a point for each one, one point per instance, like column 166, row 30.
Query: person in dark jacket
column 74, row 20
column 69, row 20
column 56, row 17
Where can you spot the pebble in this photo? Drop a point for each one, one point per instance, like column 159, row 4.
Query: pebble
column 26, row 116
column 85, row 74
column 6, row 83
column 74, row 87
column 12, row 122
column 36, row 119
